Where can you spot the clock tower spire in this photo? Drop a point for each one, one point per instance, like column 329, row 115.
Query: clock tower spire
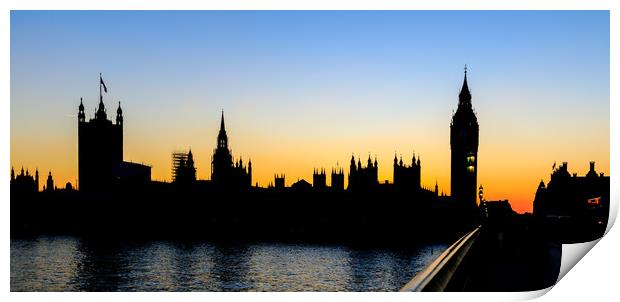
column 464, row 132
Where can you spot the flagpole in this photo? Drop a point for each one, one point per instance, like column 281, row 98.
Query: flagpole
column 100, row 95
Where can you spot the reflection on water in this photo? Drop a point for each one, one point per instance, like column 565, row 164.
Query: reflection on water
column 70, row 264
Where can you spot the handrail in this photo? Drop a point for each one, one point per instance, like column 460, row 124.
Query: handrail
column 437, row 275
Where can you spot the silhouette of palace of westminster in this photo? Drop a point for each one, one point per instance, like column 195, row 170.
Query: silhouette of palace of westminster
column 228, row 205
column 118, row 198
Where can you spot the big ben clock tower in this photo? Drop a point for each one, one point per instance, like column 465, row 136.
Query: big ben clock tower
column 464, row 146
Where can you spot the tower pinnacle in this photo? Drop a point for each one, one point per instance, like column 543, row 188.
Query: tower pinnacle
column 465, row 95
column 222, row 138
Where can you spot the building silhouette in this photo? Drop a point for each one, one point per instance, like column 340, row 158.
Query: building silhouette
column 337, row 179
column 24, row 182
column 278, row 181
column 301, row 186
column 100, row 151
column 363, row 178
column 49, row 183
column 464, row 150
column 224, row 173
column 100, row 147
column 131, row 175
column 577, row 207
column 183, row 170
column 319, row 180
column 407, row 178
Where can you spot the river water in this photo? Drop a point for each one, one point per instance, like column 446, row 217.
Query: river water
column 72, row 264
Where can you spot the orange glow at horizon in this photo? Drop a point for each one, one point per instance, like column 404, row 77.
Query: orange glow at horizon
column 505, row 173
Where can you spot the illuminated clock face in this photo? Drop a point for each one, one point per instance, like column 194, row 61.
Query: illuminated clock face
column 471, row 160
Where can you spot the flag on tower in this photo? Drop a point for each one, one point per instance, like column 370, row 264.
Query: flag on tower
column 102, row 83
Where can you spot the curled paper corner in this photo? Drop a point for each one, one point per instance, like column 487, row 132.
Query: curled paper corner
column 572, row 253
column 531, row 295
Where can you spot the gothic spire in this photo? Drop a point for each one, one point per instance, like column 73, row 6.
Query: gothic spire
column 465, row 95
column 222, row 138
column 222, row 127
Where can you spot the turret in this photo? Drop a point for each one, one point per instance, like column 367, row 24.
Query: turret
column 592, row 172
column 222, row 138
column 50, row 182
column 119, row 115
column 81, row 115
column 101, row 112
column 250, row 172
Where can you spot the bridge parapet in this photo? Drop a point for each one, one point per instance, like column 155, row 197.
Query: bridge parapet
column 437, row 275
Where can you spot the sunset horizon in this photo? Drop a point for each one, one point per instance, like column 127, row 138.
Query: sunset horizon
column 296, row 104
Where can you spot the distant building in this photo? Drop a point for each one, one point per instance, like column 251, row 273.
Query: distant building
column 49, row 185
column 464, row 132
column 183, row 170
column 407, row 178
column 301, row 186
column 129, row 174
column 24, row 182
column 279, row 181
column 363, row 178
column 498, row 212
column 337, row 179
column 319, row 180
column 578, row 206
column 224, row 173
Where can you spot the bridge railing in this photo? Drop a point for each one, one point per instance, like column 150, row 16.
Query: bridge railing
column 437, row 275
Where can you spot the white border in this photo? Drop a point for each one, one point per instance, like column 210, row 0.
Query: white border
column 592, row 279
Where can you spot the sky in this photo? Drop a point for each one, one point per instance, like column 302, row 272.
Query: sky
column 306, row 89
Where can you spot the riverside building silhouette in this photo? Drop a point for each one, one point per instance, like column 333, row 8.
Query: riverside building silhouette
column 337, row 179
column 100, row 151
column 226, row 174
column 49, row 183
column 464, row 150
column 24, row 182
column 577, row 207
column 407, row 178
column 319, row 180
column 363, row 178
column 183, row 170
